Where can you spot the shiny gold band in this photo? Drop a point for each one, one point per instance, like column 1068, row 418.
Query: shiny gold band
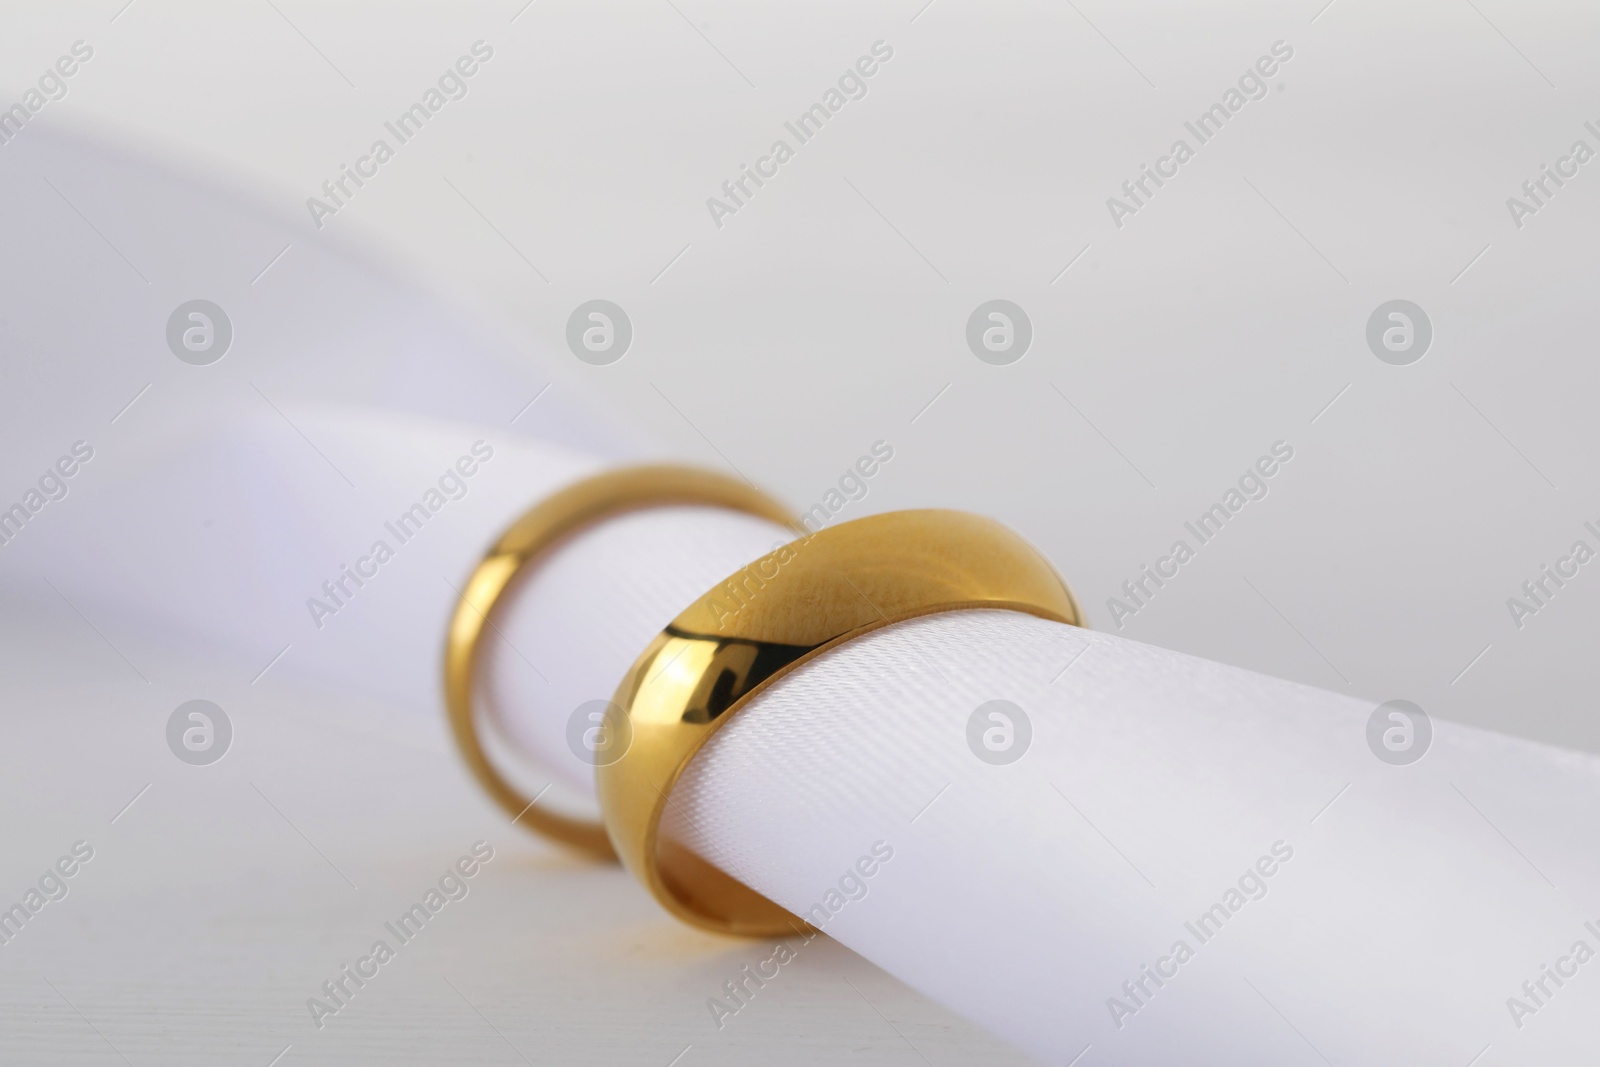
column 766, row 620
column 537, row 532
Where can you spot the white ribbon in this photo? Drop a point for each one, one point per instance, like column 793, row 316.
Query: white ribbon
column 1187, row 863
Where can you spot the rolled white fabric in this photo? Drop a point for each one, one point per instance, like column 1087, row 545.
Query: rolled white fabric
column 1188, row 860
column 1191, row 863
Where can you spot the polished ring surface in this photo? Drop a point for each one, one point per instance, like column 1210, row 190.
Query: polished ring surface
column 766, row 620
column 539, row 530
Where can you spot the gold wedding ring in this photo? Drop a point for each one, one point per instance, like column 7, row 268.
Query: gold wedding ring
column 766, row 620
column 539, row 531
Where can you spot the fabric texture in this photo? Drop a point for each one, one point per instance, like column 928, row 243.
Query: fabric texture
column 1134, row 833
